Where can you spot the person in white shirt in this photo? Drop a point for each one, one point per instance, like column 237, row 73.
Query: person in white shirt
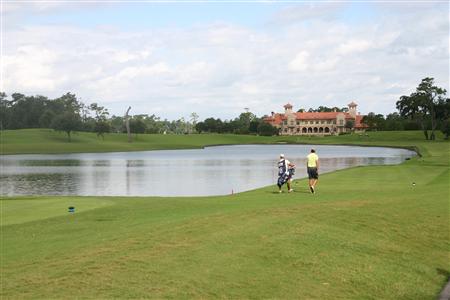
column 285, row 172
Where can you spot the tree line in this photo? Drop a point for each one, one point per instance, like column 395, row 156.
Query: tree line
column 246, row 123
column 68, row 114
column 426, row 109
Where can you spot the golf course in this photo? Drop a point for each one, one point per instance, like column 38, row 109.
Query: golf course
column 373, row 232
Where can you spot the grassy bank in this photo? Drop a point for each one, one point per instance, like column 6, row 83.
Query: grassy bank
column 368, row 233
column 27, row 141
column 48, row 141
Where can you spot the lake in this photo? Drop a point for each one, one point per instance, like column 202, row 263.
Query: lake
column 218, row 170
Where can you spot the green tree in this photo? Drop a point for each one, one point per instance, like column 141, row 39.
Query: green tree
column 26, row 111
column 254, row 124
column 422, row 105
column 374, row 121
column 211, row 124
column 67, row 122
column 200, row 127
column 71, row 103
column 350, row 124
column 102, row 124
column 432, row 95
column 193, row 119
column 243, row 122
column 153, row 124
column 46, row 118
column 394, row 122
column 413, row 107
column 102, row 127
column 137, row 125
column 117, row 124
column 266, row 129
column 443, row 114
column 4, row 111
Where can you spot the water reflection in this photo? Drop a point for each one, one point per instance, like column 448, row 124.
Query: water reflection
column 210, row 171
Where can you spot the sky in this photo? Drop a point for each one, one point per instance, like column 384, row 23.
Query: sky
column 217, row 58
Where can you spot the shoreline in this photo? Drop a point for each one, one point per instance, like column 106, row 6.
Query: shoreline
column 411, row 148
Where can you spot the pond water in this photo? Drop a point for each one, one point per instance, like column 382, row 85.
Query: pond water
column 216, row 170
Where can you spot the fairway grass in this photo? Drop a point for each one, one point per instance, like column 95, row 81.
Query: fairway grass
column 368, row 233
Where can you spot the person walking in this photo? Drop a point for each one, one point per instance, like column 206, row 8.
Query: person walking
column 312, row 167
column 284, row 176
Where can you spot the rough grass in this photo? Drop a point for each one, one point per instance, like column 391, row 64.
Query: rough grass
column 368, row 233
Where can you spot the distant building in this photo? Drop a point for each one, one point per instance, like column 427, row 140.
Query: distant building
column 316, row 123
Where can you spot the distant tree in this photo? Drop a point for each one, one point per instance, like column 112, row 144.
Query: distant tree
column 423, row 104
column 394, row 122
column 181, row 126
column 443, row 114
column 413, row 107
column 137, row 126
column 445, row 128
column 325, row 109
column 243, row 122
column 102, row 127
column 350, row 124
column 153, row 124
column 200, row 127
column 67, row 122
column 117, row 124
column 212, row 125
column 432, row 95
column 46, row 118
column 102, row 124
column 4, row 110
column 193, row 119
column 373, row 121
column 71, row 103
column 25, row 111
column 88, row 124
column 254, row 124
column 230, row 126
column 266, row 129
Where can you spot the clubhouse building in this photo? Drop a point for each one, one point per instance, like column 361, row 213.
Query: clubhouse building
column 316, row 123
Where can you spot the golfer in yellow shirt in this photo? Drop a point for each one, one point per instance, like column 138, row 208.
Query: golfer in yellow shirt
column 312, row 167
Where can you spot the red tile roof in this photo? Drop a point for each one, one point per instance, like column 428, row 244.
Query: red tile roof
column 358, row 122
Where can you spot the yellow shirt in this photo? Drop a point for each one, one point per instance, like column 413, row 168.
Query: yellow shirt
column 312, row 160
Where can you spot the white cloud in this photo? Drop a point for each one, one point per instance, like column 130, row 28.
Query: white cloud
column 300, row 62
column 354, row 46
column 218, row 69
column 307, row 11
column 31, row 68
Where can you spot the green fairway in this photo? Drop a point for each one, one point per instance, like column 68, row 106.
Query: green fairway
column 368, row 232
column 48, row 141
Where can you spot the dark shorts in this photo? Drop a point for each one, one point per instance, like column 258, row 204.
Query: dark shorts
column 312, row 173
